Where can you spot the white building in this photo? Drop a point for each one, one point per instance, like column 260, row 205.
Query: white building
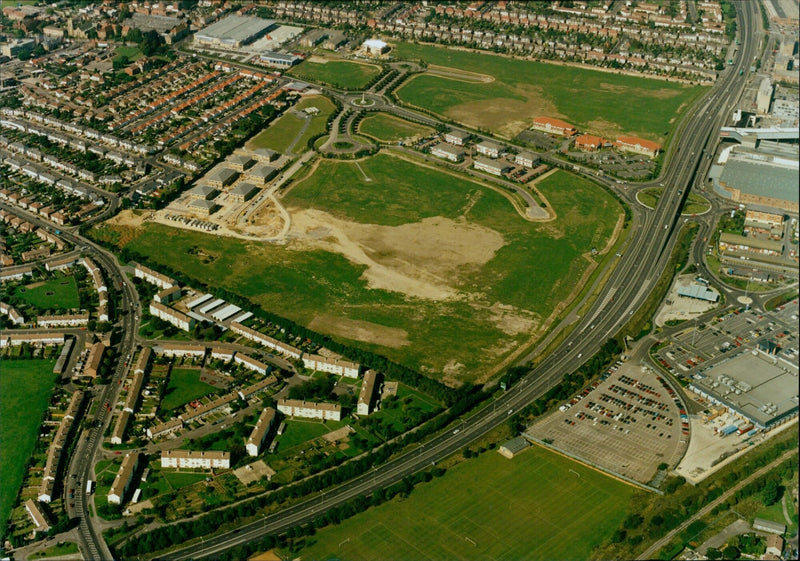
column 265, row 340
column 310, row 409
column 209, row 459
column 489, row 148
column 260, row 431
column 364, row 406
column 495, row 167
column 69, row 320
column 448, row 152
column 122, row 481
column 151, row 276
column 176, row 318
column 331, row 365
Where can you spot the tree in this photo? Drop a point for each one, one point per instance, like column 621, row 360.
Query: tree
column 770, row 493
column 730, row 552
column 713, row 553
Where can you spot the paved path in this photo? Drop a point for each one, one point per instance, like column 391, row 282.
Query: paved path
column 650, row 552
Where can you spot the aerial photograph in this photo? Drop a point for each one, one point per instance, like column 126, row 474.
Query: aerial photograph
column 375, row 280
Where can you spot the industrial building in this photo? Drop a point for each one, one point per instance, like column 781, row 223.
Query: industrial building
column 513, row 447
column 233, row 32
column 763, row 177
column 759, row 387
column 459, row 138
column 375, row 47
column 281, row 60
column 526, row 159
column 489, row 148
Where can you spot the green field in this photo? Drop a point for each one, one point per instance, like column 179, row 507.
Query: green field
column 451, row 277
column 298, row 432
column 283, row 133
column 522, row 90
column 61, row 548
column 388, row 128
column 133, row 53
column 25, row 390
column 60, row 293
column 178, row 480
column 536, row 506
column 184, row 386
column 342, row 74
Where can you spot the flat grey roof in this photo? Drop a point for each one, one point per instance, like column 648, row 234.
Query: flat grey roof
column 490, row 145
column 765, row 179
column 760, row 381
column 516, row 444
column 236, row 28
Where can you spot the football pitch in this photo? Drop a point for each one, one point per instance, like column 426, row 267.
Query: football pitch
column 531, row 507
column 60, row 293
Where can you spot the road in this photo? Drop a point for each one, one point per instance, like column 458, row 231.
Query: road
column 635, row 275
column 650, row 552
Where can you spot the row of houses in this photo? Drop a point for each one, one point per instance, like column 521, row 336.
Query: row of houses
column 12, row 313
column 57, row 446
column 14, row 339
column 56, row 215
column 129, row 408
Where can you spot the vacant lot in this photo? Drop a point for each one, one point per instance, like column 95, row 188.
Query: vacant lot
column 536, row 506
column 25, row 390
column 522, row 90
column 60, row 293
column 184, row 386
column 343, row 74
column 431, row 269
column 292, row 131
column 388, row 128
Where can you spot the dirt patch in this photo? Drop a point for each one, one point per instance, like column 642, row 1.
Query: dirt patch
column 512, row 320
column 458, row 74
column 420, row 260
column 604, row 128
column 128, row 219
column 338, row 434
column 365, row 331
column 253, row 472
column 317, row 60
column 508, row 117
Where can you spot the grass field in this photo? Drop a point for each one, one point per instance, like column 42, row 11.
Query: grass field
column 133, row 53
column 343, row 74
column 25, row 390
column 177, row 480
column 60, row 293
column 523, row 90
column 388, row 128
column 61, row 548
column 184, row 386
column 536, row 506
column 298, row 432
column 423, row 233
column 285, row 133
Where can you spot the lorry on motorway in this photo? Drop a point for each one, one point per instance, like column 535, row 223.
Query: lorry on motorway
column 89, row 487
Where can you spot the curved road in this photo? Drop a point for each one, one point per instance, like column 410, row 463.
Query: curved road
column 627, row 288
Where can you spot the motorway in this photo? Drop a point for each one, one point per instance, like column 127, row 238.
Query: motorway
column 635, row 275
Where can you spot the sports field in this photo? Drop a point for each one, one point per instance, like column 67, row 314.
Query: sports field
column 60, row 293
column 25, row 390
column 431, row 269
column 388, row 128
column 517, row 91
column 537, row 506
column 292, row 131
column 343, row 74
column 184, row 386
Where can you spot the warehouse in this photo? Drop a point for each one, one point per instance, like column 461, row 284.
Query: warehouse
column 233, row 31
column 280, row 60
column 754, row 385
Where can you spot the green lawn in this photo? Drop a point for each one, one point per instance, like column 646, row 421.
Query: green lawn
column 388, row 128
column 506, row 273
column 298, row 432
column 178, row 480
column 342, row 74
column 537, row 506
column 61, row 548
column 522, row 90
column 133, row 53
column 283, row 133
column 184, row 386
column 25, row 390
column 60, row 293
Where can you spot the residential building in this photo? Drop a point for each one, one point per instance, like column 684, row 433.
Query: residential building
column 12, row 313
column 260, row 431
column 367, row 393
column 495, row 167
column 239, row 162
column 248, row 392
column 331, row 365
column 310, row 409
column 200, row 412
column 94, row 360
column 265, row 340
column 183, row 349
column 774, row 545
column 168, row 295
column 448, row 152
column 553, row 126
column 203, row 207
column 190, row 459
column 176, row 318
column 251, row 363
column 203, row 192
column 118, row 434
column 8, row 338
column 122, row 482
column 39, row 517
column 151, row 276
column 165, row 428
column 67, row 320
column 221, row 353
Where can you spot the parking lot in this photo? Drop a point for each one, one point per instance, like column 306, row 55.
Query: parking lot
column 694, row 348
column 614, row 420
